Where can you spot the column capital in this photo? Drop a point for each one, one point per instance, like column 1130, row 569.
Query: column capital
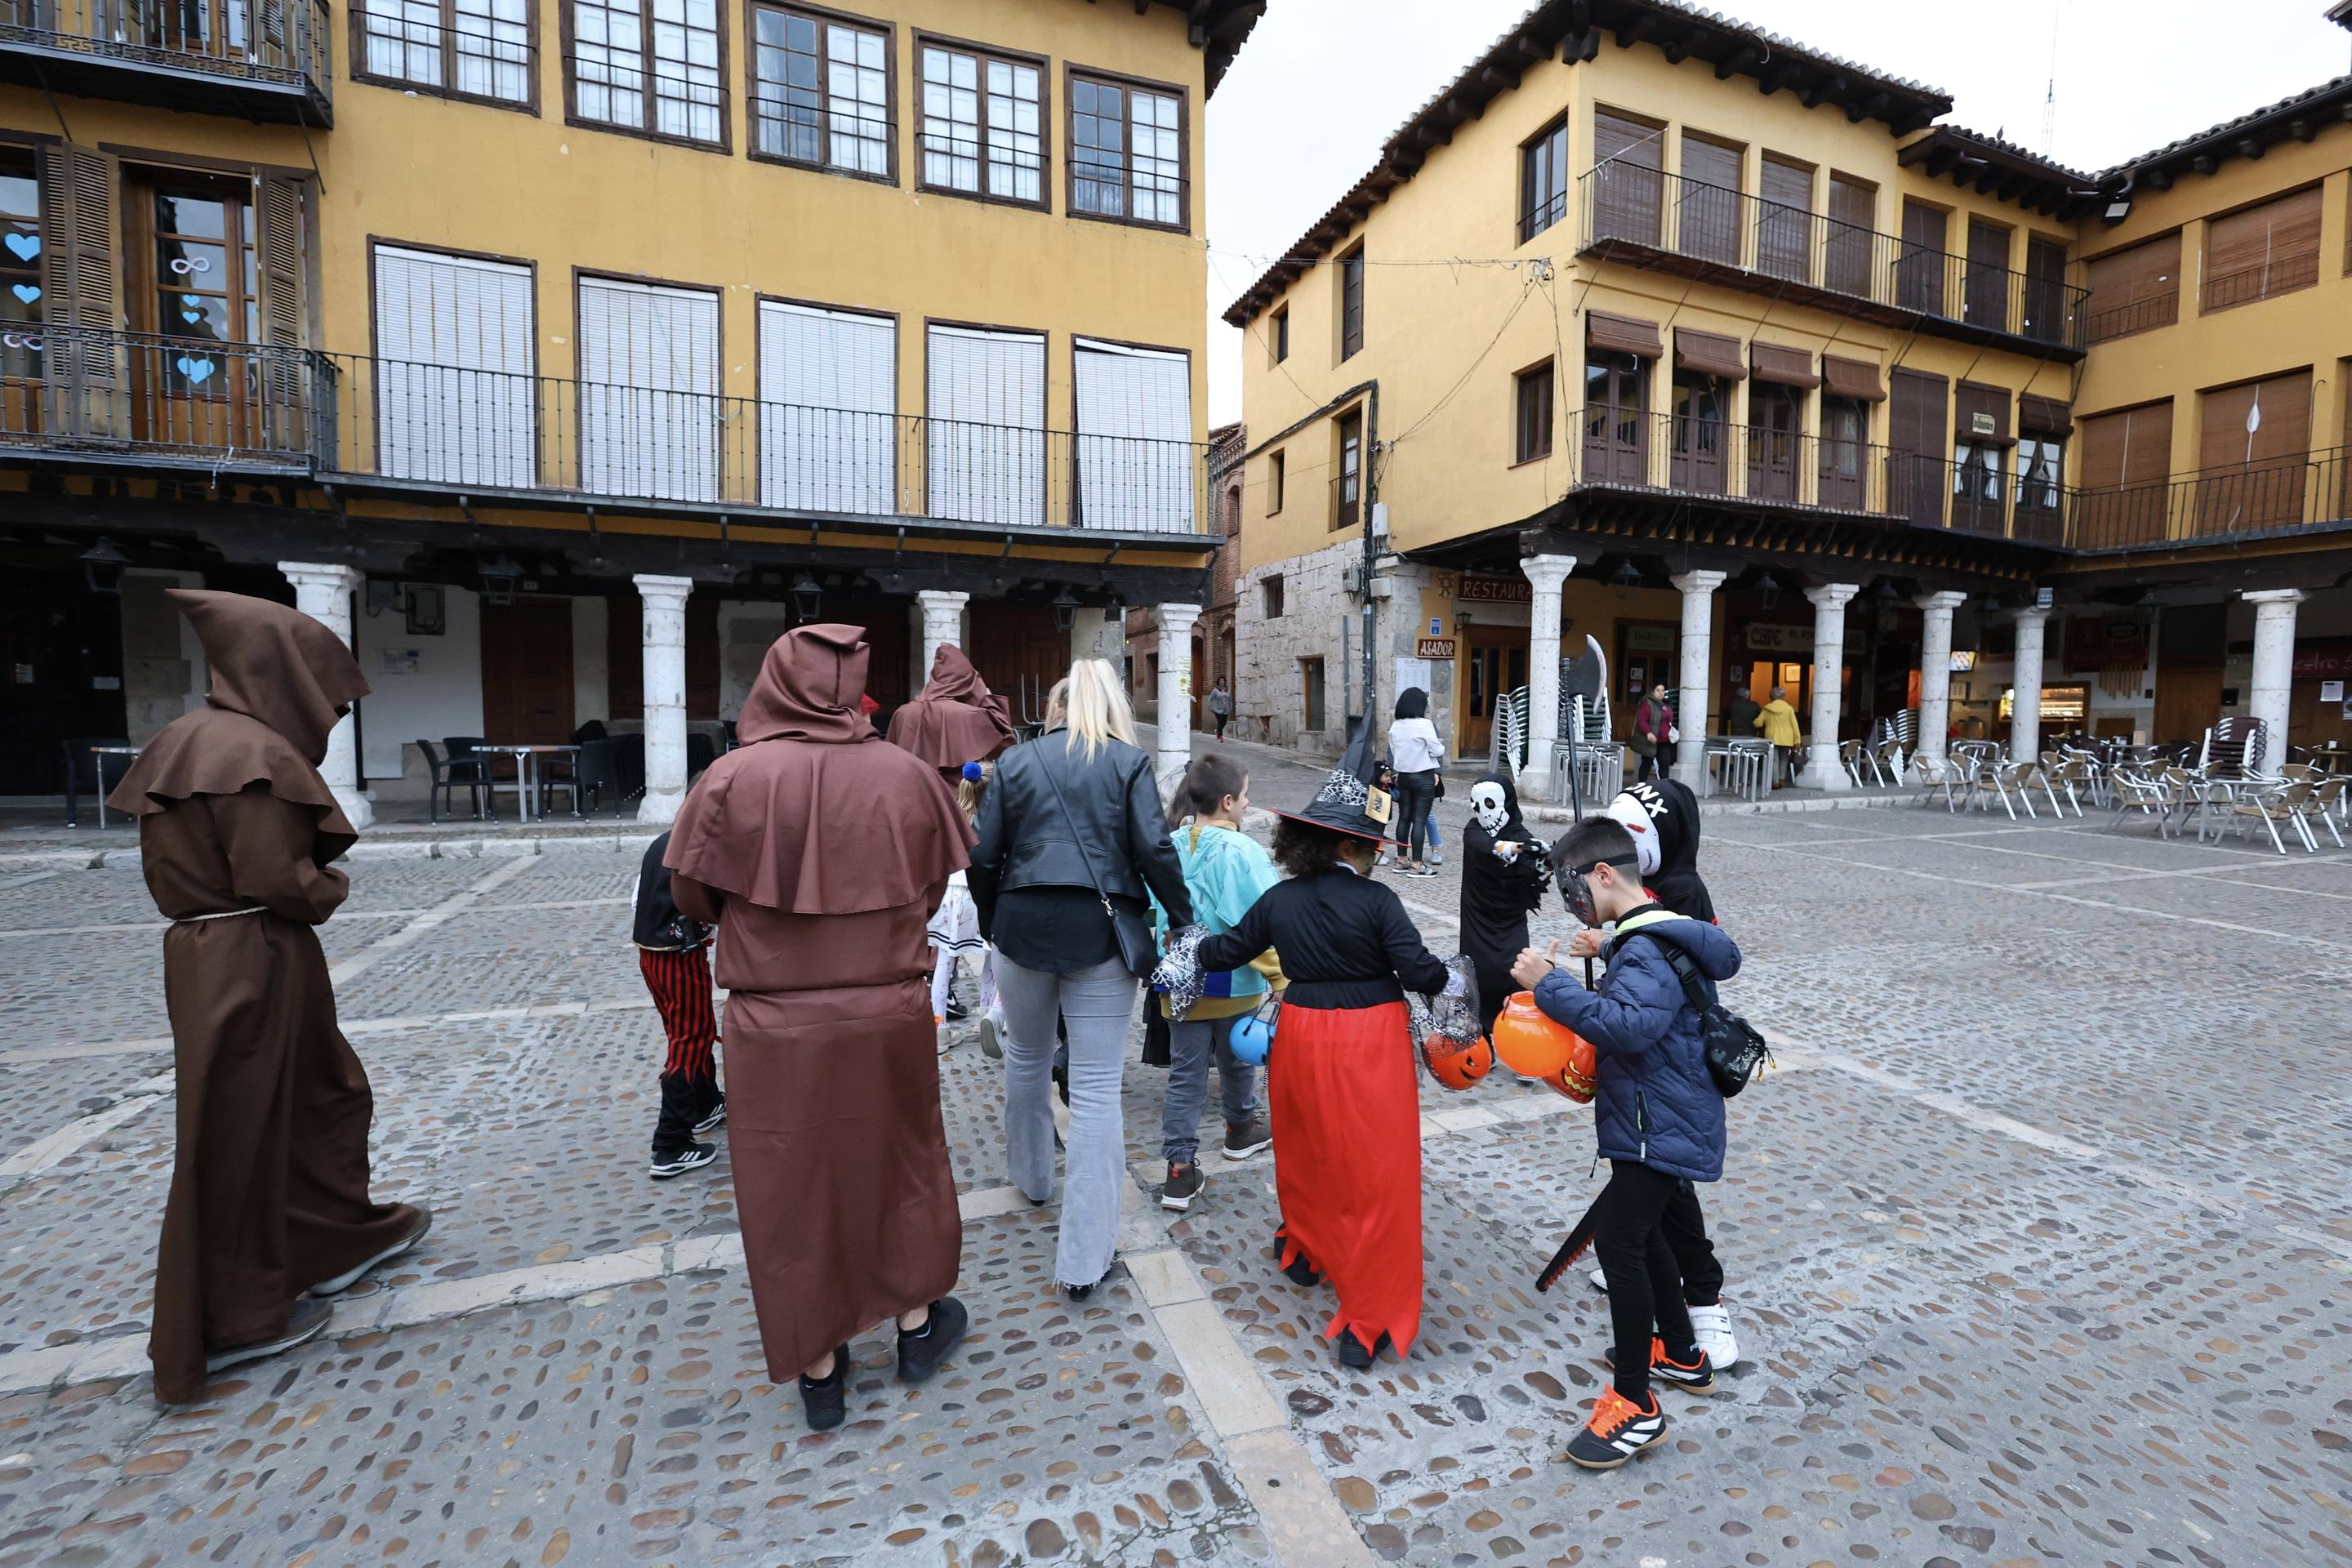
column 1174, row 618
column 654, row 587
column 1547, row 572
column 1699, row 582
column 322, row 574
column 2274, row 597
column 1943, row 603
column 1832, row 595
column 941, row 599
column 2032, row 616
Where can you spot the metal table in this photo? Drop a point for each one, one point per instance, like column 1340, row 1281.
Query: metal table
column 98, row 768
column 527, row 774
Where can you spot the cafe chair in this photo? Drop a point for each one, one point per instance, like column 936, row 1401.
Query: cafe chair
column 449, row 774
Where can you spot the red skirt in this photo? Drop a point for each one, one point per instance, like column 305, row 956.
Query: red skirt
column 1347, row 1142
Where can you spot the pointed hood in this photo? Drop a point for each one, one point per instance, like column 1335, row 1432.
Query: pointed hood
column 957, row 719
column 271, row 662
column 280, row 680
column 809, row 688
column 1351, row 801
column 807, row 816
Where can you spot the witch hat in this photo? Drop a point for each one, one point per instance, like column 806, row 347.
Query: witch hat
column 1351, row 800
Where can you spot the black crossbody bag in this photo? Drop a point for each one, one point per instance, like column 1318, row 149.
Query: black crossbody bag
column 1137, row 949
column 1735, row 1050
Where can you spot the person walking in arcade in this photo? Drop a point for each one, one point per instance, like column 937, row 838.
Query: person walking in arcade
column 1344, row 1088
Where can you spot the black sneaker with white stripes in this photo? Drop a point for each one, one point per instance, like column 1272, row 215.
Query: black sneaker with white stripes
column 1618, row 1430
column 679, row 1161
column 714, row 1119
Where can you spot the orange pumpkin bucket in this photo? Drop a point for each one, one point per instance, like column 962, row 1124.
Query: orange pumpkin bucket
column 1530, row 1043
column 1580, row 1078
column 1457, row 1064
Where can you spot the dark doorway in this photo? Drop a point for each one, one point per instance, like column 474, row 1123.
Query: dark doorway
column 1698, row 426
column 1616, row 448
column 60, row 674
column 1916, row 405
column 526, row 670
column 1019, row 653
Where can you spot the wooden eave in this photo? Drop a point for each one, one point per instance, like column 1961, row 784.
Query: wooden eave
column 2006, row 173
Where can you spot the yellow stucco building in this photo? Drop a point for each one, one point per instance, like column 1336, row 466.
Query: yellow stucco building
column 581, row 346
column 1656, row 328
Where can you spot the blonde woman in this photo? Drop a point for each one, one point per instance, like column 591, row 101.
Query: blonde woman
column 1071, row 838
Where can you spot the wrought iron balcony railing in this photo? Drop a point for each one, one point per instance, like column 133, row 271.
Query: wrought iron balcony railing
column 159, row 401
column 1716, row 232
column 2276, row 495
column 492, row 433
column 258, row 59
column 1689, row 455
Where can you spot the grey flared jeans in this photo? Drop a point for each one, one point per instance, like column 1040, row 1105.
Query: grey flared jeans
column 1098, row 1004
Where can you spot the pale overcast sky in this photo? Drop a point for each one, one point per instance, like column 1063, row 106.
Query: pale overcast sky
column 1322, row 83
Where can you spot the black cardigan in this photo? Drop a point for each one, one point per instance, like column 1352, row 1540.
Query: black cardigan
column 1346, row 941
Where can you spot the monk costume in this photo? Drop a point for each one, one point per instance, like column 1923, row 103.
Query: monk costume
column 236, row 830
column 957, row 719
column 818, row 849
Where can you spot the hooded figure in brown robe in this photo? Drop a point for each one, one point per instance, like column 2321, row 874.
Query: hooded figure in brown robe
column 819, row 850
column 269, row 1183
column 957, row 719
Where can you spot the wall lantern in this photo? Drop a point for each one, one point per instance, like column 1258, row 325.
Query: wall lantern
column 1625, row 579
column 1768, row 591
column 501, row 578
column 1066, row 611
column 808, row 598
column 101, row 567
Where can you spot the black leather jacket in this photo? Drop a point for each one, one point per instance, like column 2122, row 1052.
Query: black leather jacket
column 1027, row 841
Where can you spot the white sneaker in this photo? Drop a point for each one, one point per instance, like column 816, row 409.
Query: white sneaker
column 1711, row 1327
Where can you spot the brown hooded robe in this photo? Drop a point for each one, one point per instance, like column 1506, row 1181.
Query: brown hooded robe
column 957, row 719
column 820, row 851
column 269, row 1183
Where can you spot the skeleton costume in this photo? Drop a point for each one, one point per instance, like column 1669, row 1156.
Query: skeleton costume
column 1497, row 890
column 1663, row 816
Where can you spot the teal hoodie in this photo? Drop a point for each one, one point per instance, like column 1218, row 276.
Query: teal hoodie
column 1226, row 871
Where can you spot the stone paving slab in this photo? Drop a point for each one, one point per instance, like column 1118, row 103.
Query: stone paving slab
column 639, row 1424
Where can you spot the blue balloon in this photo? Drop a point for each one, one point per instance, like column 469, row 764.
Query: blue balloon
column 1252, row 1039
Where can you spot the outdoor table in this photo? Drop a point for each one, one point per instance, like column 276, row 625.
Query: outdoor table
column 527, row 773
column 98, row 770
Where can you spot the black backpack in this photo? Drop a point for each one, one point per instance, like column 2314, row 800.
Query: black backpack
column 1734, row 1048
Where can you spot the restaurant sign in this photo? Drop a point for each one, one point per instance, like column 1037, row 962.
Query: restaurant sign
column 2329, row 660
column 1478, row 590
column 1434, row 648
column 1770, row 638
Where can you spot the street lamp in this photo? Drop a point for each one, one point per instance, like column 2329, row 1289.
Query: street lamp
column 808, row 598
column 1768, row 590
column 1625, row 579
column 101, row 567
column 501, row 578
column 1066, row 611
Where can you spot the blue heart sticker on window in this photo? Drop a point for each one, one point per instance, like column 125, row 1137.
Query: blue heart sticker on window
column 192, row 316
column 197, row 370
column 25, row 245
column 27, row 292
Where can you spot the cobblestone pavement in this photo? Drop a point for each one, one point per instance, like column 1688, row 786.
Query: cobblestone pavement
column 2038, row 1251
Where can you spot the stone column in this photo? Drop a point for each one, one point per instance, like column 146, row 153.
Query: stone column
column 1935, row 670
column 2025, row 688
column 324, row 594
column 665, row 635
column 943, row 622
column 1547, row 573
column 2273, row 669
column 1698, row 696
column 1175, row 623
column 1822, row 770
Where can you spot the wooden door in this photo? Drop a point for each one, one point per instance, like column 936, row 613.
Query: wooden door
column 1698, row 431
column 2253, row 445
column 526, row 671
column 1616, row 424
column 1776, row 416
column 195, row 287
column 1987, row 301
column 1849, row 265
column 2045, row 291
column 1919, row 274
column 2127, row 455
column 1784, row 225
column 1019, row 653
column 1498, row 666
column 1916, row 423
column 2188, row 701
column 1706, row 203
column 1629, row 183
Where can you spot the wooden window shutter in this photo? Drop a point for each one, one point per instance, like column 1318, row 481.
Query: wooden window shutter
column 1624, row 334
column 1971, row 400
column 86, row 394
column 2043, row 416
column 2133, row 290
column 1628, row 197
column 2282, row 433
column 281, row 231
column 1707, row 202
column 1784, row 225
column 2262, row 251
column 1855, row 378
column 2125, row 456
column 1783, row 366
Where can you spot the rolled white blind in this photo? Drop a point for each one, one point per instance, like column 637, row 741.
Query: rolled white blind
column 649, row 414
column 987, row 425
column 454, row 373
column 828, row 409
column 1135, row 452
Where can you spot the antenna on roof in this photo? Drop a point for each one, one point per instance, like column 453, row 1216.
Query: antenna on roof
column 2050, row 94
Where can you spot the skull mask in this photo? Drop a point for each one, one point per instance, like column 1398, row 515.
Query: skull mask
column 1487, row 804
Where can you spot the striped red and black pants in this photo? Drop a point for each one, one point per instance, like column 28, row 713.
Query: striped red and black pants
column 680, row 984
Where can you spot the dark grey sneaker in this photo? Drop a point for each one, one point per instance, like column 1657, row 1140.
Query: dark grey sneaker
column 306, row 1320
column 1183, row 1184
column 714, row 1119
column 693, row 1157
column 1243, row 1142
column 921, row 1352
column 351, row 1277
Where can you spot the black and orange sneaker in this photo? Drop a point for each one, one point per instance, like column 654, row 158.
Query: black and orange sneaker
column 1690, row 1376
column 1618, row 1430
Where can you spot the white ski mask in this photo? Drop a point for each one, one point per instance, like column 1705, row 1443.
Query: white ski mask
column 1487, row 804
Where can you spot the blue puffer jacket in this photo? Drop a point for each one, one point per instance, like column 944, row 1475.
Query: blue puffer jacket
column 1657, row 1104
